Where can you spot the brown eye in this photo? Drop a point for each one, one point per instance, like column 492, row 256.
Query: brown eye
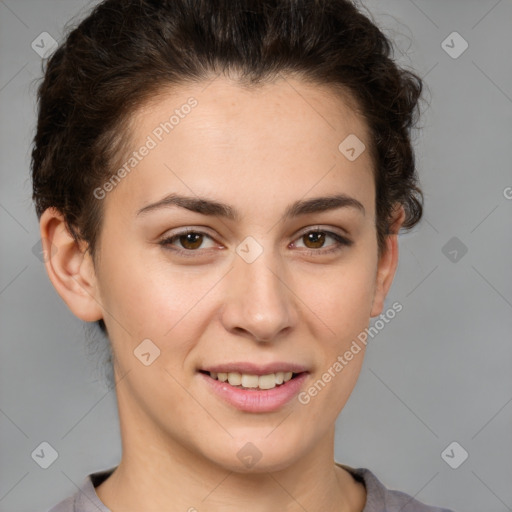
column 315, row 241
column 316, row 238
column 187, row 242
column 191, row 240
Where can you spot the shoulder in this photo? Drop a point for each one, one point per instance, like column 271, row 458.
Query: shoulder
column 378, row 497
column 66, row 505
column 85, row 499
column 381, row 499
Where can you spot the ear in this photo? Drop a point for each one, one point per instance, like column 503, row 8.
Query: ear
column 388, row 263
column 70, row 267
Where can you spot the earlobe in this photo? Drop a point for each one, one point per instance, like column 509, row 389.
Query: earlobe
column 70, row 267
column 387, row 264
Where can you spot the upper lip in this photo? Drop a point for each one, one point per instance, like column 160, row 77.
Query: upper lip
column 255, row 369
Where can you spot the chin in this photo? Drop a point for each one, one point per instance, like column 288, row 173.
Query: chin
column 259, row 453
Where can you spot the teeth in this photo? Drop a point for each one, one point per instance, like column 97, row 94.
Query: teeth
column 267, row 381
column 244, row 380
column 249, row 381
column 235, row 379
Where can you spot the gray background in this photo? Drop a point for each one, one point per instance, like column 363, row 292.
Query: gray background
column 439, row 372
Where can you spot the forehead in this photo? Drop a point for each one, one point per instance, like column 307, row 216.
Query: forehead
column 284, row 110
column 273, row 138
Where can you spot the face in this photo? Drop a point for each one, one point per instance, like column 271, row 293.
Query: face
column 246, row 275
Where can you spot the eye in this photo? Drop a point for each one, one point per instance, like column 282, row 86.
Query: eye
column 315, row 241
column 189, row 239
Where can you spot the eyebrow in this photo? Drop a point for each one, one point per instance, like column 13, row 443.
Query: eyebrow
column 210, row 207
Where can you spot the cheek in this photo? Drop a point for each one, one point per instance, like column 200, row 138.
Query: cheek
column 342, row 296
column 137, row 291
column 156, row 300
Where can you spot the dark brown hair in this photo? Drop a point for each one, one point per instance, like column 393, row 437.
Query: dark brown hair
column 126, row 51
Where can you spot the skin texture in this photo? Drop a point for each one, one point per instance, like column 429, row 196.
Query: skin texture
column 258, row 151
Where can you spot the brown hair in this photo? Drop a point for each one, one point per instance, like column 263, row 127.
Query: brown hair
column 125, row 51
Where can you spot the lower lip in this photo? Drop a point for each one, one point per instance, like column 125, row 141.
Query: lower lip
column 254, row 399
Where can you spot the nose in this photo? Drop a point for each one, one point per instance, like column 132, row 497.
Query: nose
column 259, row 302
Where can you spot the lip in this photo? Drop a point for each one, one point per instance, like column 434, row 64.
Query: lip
column 254, row 400
column 256, row 369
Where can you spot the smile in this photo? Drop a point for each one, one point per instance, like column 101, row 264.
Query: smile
column 248, row 381
column 254, row 393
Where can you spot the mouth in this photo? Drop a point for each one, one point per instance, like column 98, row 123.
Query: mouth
column 252, row 381
column 255, row 389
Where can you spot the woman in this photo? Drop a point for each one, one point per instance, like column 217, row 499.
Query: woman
column 220, row 186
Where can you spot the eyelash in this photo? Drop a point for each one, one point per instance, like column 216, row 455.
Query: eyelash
column 341, row 242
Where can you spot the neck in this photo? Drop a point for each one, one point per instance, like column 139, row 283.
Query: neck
column 140, row 483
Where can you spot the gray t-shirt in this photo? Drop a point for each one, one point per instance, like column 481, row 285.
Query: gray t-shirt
column 378, row 497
